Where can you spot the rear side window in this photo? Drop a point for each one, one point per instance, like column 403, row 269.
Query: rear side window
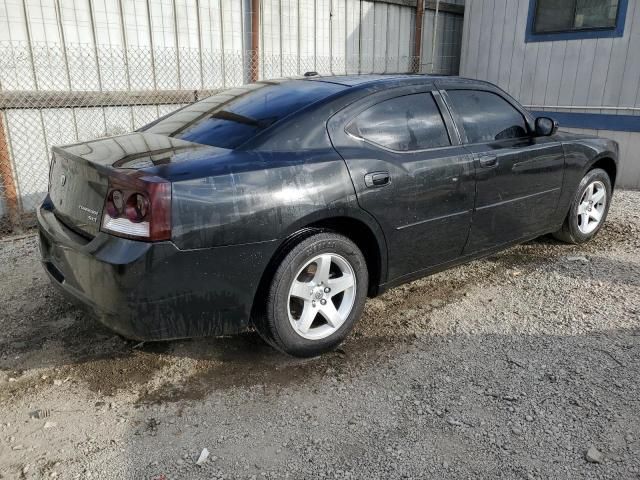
column 486, row 117
column 410, row 122
column 234, row 116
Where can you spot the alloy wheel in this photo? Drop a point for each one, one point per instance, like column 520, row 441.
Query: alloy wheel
column 321, row 296
column 592, row 207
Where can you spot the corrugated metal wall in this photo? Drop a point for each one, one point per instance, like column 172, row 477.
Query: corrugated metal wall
column 124, row 46
column 335, row 35
column 591, row 74
column 445, row 57
column 296, row 36
column 169, row 33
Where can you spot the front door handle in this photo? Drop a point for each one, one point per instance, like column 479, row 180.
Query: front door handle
column 377, row 179
column 488, row 160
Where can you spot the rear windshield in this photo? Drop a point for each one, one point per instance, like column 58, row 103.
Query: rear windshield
column 233, row 117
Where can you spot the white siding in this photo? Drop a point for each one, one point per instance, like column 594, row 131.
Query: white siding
column 590, row 73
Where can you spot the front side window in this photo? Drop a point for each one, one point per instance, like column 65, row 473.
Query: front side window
column 486, row 117
column 407, row 123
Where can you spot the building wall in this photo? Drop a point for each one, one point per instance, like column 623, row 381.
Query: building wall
column 445, row 58
column 585, row 78
column 295, row 36
column 120, row 46
column 355, row 36
column 336, row 35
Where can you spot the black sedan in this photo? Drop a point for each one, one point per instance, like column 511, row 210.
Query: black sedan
column 284, row 204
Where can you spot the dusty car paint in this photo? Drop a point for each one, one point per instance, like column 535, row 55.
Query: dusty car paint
column 233, row 211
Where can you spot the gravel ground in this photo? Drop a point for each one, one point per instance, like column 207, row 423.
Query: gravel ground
column 522, row 365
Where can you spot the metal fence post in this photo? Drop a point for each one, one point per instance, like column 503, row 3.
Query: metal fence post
column 255, row 40
column 435, row 35
column 6, row 177
column 417, row 46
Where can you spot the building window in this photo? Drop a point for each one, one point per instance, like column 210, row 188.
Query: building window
column 552, row 20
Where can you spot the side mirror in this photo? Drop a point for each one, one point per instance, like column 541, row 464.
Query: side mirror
column 545, row 126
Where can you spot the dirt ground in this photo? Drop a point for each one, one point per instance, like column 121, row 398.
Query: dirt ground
column 522, row 365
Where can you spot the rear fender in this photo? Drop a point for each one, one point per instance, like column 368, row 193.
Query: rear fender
column 323, row 220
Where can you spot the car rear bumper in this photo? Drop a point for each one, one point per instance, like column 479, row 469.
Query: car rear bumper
column 153, row 291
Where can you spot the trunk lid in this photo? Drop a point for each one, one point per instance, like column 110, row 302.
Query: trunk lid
column 79, row 175
column 77, row 189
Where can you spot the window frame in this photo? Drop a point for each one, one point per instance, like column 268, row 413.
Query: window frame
column 602, row 32
column 447, row 121
column 528, row 119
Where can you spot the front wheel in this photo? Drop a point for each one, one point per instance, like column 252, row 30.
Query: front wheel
column 316, row 295
column 588, row 209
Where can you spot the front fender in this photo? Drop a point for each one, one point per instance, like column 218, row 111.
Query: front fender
column 581, row 153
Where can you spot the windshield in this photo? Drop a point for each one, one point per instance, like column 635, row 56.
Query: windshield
column 233, row 117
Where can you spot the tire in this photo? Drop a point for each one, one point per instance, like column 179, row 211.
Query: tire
column 576, row 229
column 298, row 318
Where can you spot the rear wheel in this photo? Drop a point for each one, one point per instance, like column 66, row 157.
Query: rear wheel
column 316, row 295
column 588, row 210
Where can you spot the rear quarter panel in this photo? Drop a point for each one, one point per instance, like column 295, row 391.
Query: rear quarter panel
column 253, row 197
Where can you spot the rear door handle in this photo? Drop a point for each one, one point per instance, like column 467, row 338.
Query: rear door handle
column 488, row 160
column 377, row 179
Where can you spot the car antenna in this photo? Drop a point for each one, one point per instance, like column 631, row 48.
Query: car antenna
column 310, row 74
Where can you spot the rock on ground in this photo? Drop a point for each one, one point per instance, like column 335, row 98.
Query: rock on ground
column 509, row 367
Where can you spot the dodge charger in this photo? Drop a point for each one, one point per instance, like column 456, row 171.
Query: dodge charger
column 283, row 204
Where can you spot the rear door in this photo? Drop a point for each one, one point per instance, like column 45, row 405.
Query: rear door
column 519, row 175
column 410, row 172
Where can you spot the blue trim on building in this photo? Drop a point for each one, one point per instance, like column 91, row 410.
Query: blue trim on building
column 618, row 31
column 594, row 121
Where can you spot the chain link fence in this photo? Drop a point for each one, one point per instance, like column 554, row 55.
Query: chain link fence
column 68, row 94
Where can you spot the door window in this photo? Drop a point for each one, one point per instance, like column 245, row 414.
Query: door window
column 407, row 123
column 486, row 117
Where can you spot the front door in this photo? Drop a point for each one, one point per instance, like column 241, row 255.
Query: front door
column 411, row 173
column 519, row 175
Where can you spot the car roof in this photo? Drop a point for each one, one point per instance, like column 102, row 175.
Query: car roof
column 359, row 79
column 355, row 80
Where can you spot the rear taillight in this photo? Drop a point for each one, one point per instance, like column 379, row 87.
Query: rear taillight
column 138, row 207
